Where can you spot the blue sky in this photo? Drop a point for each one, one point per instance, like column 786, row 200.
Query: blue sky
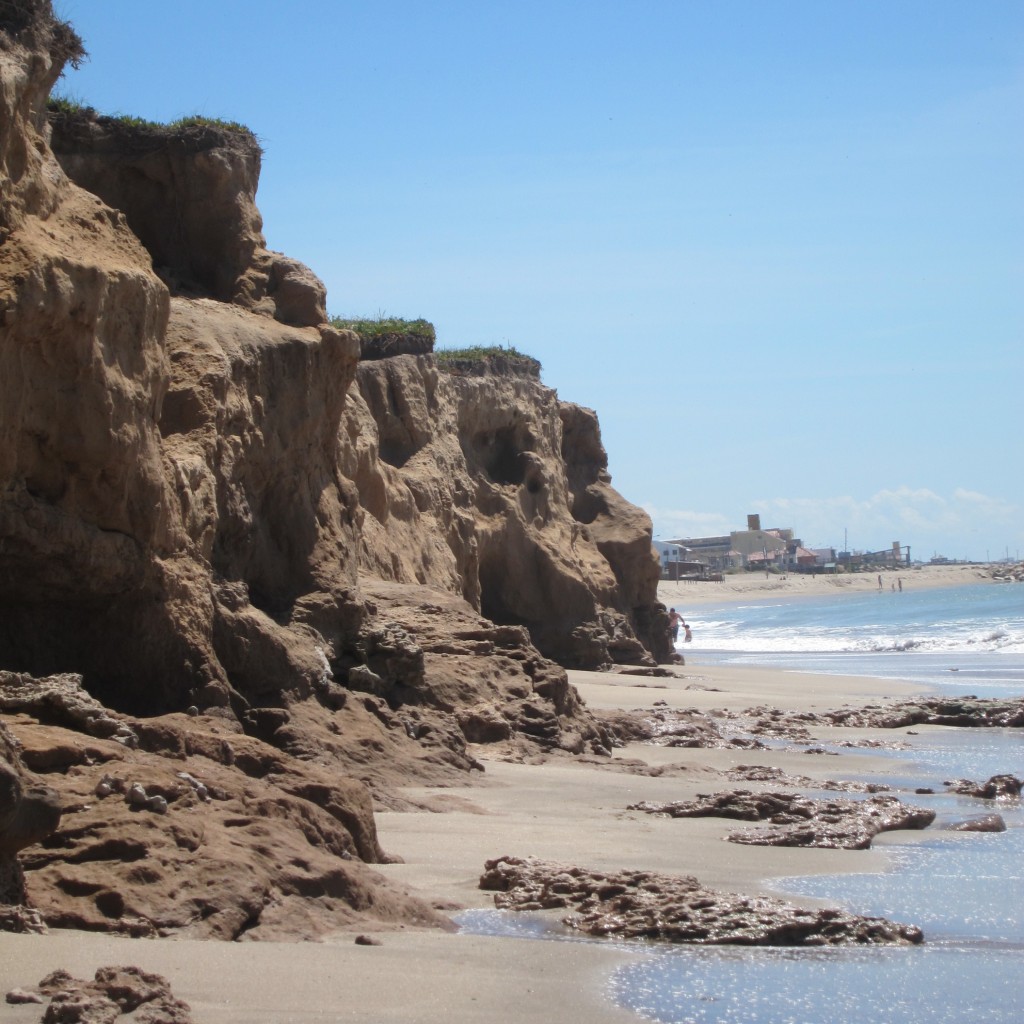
column 777, row 245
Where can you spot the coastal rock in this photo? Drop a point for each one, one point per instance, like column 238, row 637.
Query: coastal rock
column 20, row 997
column 831, row 824
column 998, row 787
column 252, row 842
column 1009, row 573
column 959, row 712
column 279, row 479
column 113, row 994
column 983, row 823
column 189, row 195
column 669, row 908
column 29, row 812
column 766, row 773
column 467, row 484
column 674, row 727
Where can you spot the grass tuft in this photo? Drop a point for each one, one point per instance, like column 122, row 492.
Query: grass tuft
column 71, row 106
column 476, row 359
column 383, row 326
column 195, row 127
column 36, row 19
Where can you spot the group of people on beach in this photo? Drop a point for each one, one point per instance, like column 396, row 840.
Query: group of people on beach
column 675, row 622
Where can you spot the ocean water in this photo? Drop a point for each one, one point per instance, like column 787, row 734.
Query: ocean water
column 966, row 639
column 965, row 890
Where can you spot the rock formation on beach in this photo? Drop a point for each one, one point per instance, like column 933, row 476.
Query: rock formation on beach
column 29, row 812
column 114, row 992
column 838, row 824
column 998, row 787
column 183, row 824
column 960, row 712
column 259, row 556
column 647, row 905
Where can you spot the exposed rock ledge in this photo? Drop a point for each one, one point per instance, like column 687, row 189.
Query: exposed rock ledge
column 961, row 712
column 182, row 824
column 645, row 905
column 836, row 824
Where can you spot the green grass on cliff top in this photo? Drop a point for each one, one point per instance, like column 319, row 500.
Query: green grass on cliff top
column 72, row 107
column 480, row 353
column 446, row 358
column 385, row 326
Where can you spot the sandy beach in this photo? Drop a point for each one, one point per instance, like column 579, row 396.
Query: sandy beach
column 746, row 585
column 564, row 810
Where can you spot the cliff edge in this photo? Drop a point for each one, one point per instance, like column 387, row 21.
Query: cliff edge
column 306, row 575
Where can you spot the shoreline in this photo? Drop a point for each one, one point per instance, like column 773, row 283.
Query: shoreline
column 564, row 809
column 751, row 585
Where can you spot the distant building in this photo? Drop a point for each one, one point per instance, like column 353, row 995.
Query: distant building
column 825, row 560
column 743, row 548
column 669, row 555
column 779, row 550
column 677, row 562
column 888, row 556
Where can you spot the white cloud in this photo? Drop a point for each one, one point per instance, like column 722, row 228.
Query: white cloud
column 675, row 523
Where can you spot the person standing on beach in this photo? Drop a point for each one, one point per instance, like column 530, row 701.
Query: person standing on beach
column 674, row 619
column 879, row 581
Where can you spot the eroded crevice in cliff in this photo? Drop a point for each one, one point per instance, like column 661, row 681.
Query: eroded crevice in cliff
column 129, row 651
column 402, row 416
column 499, row 453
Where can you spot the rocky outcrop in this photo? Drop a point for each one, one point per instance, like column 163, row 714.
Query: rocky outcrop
column 980, row 823
column 1009, row 573
column 188, row 193
column 113, row 993
column 998, row 787
column 29, row 812
column 959, row 712
column 467, row 484
column 183, row 824
column 216, row 484
column 676, row 727
column 800, row 821
column 766, row 773
column 670, row 908
column 209, row 500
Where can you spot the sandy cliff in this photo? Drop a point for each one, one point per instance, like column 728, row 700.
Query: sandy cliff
column 348, row 569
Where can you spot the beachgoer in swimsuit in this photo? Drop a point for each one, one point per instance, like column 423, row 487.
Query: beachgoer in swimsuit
column 674, row 619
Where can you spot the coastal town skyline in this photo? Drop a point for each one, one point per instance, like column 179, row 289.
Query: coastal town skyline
column 777, row 247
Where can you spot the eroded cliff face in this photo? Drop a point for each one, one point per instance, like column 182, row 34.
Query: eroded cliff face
column 490, row 486
column 208, row 502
